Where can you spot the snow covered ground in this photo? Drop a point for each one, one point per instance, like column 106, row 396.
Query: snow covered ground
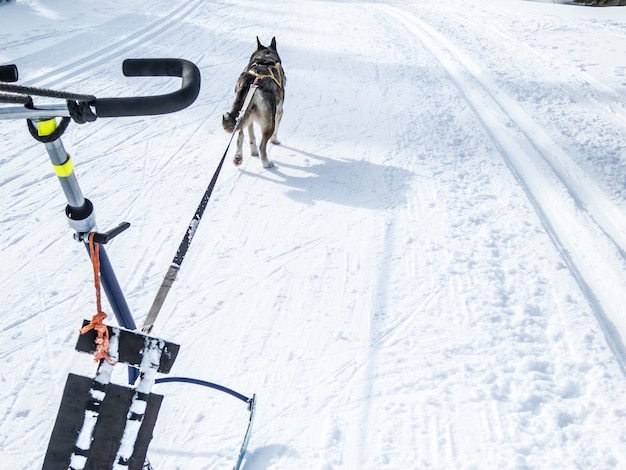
column 432, row 276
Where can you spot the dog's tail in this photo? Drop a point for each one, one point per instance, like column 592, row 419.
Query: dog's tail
column 229, row 120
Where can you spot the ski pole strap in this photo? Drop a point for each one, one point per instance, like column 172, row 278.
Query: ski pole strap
column 172, row 272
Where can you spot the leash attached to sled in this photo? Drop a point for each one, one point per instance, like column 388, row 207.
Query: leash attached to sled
column 174, row 268
column 172, row 273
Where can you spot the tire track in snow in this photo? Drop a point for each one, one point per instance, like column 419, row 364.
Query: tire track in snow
column 585, row 226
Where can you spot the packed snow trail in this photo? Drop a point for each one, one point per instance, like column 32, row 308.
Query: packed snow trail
column 401, row 291
column 586, row 226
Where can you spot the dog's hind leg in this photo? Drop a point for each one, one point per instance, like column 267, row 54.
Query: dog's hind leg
column 239, row 152
column 279, row 116
column 254, row 150
column 266, row 136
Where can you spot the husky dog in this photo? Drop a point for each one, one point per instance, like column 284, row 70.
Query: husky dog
column 266, row 107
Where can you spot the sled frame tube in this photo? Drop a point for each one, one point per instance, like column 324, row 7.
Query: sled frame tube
column 83, row 224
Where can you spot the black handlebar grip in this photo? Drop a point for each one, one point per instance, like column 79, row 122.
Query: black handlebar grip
column 8, row 73
column 155, row 104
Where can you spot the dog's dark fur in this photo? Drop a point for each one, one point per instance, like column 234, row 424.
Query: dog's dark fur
column 266, row 107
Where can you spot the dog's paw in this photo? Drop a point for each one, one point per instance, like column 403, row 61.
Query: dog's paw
column 237, row 161
column 275, row 141
column 268, row 164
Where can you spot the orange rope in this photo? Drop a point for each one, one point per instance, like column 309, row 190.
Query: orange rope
column 102, row 340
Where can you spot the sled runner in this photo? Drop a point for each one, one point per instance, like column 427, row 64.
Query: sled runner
column 101, row 425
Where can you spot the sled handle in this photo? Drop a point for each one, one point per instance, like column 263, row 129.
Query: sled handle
column 106, row 107
column 8, row 73
column 155, row 104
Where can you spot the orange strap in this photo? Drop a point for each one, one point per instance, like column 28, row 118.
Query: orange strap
column 102, row 340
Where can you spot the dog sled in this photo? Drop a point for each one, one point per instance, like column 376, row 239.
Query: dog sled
column 100, row 424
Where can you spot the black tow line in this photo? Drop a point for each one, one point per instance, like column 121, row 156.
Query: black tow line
column 172, row 272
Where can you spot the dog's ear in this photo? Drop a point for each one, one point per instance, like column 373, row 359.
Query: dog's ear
column 273, row 44
column 258, row 44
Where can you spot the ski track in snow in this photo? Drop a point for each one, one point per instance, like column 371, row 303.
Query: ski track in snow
column 121, row 47
column 584, row 221
column 430, row 277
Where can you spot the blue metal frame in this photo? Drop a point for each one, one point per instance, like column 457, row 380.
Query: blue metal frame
column 81, row 217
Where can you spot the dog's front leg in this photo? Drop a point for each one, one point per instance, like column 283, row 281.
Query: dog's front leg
column 239, row 152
